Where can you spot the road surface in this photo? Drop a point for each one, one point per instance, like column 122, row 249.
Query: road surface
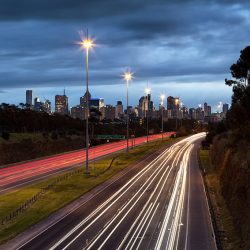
column 161, row 204
column 20, row 174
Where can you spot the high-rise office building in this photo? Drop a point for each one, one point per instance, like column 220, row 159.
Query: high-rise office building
column 61, row 104
column 118, row 110
column 207, row 110
column 145, row 106
column 83, row 99
column 107, row 112
column 173, row 104
column 38, row 105
column 29, row 97
column 96, row 103
column 47, row 106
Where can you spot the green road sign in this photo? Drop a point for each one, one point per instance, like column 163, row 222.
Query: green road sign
column 110, row 137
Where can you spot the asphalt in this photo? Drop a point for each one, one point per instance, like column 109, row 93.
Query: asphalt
column 20, row 174
column 158, row 203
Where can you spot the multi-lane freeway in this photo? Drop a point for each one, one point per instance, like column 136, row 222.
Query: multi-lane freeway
column 159, row 203
column 24, row 173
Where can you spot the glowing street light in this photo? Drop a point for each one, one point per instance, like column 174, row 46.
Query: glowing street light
column 86, row 44
column 162, row 97
column 147, row 91
column 177, row 101
column 127, row 76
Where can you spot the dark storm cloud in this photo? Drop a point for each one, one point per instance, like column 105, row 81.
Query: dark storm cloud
column 89, row 9
column 64, row 9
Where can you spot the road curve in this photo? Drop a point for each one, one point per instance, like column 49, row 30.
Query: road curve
column 19, row 174
column 162, row 205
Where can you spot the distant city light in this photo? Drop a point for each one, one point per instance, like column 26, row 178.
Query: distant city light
column 162, row 97
column 147, row 90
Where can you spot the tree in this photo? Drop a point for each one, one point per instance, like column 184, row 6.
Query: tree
column 238, row 117
column 240, row 70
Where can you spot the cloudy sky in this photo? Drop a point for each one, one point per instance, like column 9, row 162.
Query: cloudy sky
column 180, row 47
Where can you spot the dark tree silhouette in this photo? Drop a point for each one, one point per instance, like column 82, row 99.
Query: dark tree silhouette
column 240, row 69
column 238, row 117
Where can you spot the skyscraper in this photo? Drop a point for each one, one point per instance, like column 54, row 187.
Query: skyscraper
column 29, row 97
column 109, row 112
column 47, row 106
column 61, row 104
column 173, row 104
column 118, row 109
column 96, row 103
column 83, row 99
column 145, row 106
column 207, row 110
column 38, row 105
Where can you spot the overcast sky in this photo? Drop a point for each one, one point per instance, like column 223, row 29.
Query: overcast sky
column 181, row 48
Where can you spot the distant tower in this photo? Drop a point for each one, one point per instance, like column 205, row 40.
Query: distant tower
column 83, row 99
column 29, row 97
column 61, row 104
column 118, row 109
column 173, row 105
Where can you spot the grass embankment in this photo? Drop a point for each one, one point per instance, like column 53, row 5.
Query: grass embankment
column 65, row 191
column 226, row 231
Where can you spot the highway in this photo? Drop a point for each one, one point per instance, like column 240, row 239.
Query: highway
column 159, row 204
column 19, row 174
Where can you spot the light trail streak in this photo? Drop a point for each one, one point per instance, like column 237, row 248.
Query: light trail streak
column 156, row 175
column 123, row 189
column 170, row 228
column 24, row 171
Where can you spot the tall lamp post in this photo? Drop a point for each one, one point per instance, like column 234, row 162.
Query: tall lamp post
column 127, row 76
column 86, row 44
column 147, row 91
column 162, row 96
column 177, row 109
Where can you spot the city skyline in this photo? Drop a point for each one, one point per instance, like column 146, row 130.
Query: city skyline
column 186, row 54
column 75, row 98
column 31, row 99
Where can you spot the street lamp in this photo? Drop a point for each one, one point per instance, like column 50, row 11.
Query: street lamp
column 147, row 91
column 86, row 44
column 177, row 109
column 127, row 76
column 162, row 97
